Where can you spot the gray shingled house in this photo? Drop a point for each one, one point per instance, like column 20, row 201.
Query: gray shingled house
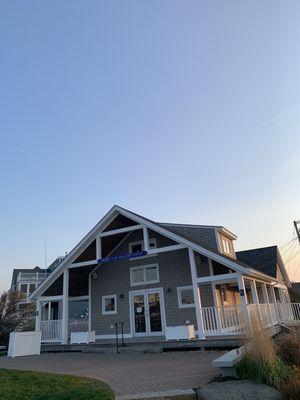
column 160, row 280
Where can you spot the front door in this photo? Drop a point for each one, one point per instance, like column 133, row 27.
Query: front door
column 147, row 312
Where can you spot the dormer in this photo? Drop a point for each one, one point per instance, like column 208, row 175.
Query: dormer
column 226, row 245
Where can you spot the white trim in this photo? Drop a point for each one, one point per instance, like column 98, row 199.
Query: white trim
column 179, row 297
column 90, row 303
column 146, row 239
column 65, row 311
column 114, row 211
column 113, row 336
column 82, row 264
column 145, row 293
column 51, row 298
column 109, row 296
column 150, row 252
column 216, row 278
column 197, row 297
column 143, row 268
column 121, row 230
column 79, row 298
column 166, row 248
column 98, row 248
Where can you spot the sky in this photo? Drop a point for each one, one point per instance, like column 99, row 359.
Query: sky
column 183, row 111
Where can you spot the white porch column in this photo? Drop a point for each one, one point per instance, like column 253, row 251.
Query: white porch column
column 267, row 301
column 196, row 294
column 254, row 292
column 38, row 316
column 65, row 311
column 243, row 296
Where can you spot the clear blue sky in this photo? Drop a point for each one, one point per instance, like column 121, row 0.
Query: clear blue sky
column 184, row 111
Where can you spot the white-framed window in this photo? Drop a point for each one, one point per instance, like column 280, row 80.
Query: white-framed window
column 109, row 304
column 135, row 247
column 227, row 246
column 143, row 275
column 185, row 296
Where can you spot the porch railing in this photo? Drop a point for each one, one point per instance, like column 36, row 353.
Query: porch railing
column 230, row 320
column 51, row 330
column 223, row 320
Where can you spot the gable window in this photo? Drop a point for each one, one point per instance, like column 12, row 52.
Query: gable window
column 136, row 247
column 227, row 246
column 144, row 275
column 109, row 304
column 185, row 296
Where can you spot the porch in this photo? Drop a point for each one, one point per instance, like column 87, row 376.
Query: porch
column 226, row 322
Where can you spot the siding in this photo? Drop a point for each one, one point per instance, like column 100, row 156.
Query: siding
column 114, row 278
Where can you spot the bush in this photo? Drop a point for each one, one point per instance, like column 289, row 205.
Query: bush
column 273, row 373
column 288, row 348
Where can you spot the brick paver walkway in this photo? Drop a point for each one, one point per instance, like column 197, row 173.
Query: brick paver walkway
column 127, row 373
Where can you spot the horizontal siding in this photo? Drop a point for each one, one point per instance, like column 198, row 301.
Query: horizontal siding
column 114, row 278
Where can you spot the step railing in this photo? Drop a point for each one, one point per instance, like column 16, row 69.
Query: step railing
column 51, row 330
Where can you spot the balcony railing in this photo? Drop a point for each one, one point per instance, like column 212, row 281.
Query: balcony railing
column 32, row 276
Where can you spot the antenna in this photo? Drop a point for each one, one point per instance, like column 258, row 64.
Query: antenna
column 45, row 253
column 297, row 227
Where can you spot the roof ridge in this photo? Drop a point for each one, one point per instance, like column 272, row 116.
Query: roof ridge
column 257, row 248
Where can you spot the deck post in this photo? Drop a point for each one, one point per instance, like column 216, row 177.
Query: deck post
column 146, row 238
column 38, row 316
column 267, row 301
column 242, row 289
column 65, row 310
column 196, row 294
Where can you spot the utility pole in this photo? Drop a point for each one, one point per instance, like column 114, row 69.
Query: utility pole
column 297, row 227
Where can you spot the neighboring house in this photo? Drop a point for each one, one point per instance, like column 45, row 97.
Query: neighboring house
column 27, row 280
column 151, row 276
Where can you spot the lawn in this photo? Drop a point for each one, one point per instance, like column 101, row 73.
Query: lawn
column 25, row 385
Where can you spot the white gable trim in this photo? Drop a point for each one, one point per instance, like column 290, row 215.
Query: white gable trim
column 105, row 221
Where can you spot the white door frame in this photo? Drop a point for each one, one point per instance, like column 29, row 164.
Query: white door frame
column 145, row 292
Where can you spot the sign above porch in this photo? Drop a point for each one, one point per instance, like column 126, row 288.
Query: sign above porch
column 122, row 257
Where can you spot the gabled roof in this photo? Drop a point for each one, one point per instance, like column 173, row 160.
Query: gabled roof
column 203, row 236
column 160, row 228
column 264, row 259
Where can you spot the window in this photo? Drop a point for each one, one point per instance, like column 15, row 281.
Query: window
column 109, row 304
column 23, row 288
column 185, row 297
column 227, row 246
column 144, row 275
column 31, row 288
column 136, row 247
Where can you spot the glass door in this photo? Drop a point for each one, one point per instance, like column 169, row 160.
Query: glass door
column 154, row 312
column 147, row 313
column 139, row 313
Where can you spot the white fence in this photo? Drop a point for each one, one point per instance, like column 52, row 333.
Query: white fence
column 230, row 320
column 51, row 330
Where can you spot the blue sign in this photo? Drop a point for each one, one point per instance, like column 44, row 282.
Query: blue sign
column 122, row 257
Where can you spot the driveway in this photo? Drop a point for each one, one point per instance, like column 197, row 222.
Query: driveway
column 126, row 373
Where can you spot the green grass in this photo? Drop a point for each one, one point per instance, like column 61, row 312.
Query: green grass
column 25, row 385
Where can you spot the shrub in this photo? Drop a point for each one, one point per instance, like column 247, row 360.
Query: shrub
column 288, row 348
column 273, row 373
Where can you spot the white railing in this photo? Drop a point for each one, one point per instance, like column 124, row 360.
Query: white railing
column 223, row 320
column 51, row 330
column 230, row 319
column 31, row 276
